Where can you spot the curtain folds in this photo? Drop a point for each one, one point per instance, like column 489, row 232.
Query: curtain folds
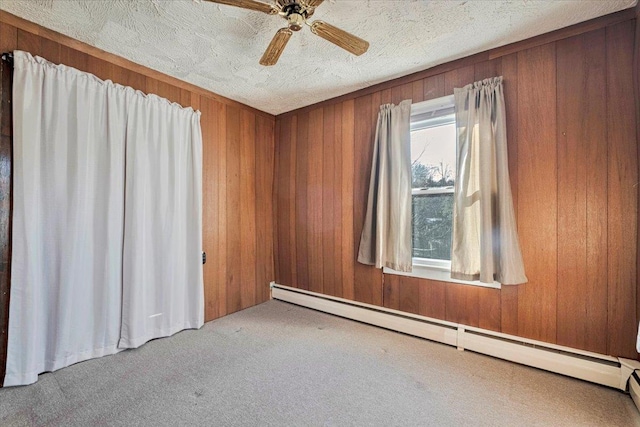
column 386, row 235
column 162, row 228
column 86, row 164
column 485, row 243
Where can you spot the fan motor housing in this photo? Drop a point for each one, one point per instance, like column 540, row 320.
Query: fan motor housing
column 292, row 7
column 296, row 21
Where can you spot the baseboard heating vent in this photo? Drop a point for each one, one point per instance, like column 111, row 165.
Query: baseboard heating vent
column 634, row 388
column 597, row 368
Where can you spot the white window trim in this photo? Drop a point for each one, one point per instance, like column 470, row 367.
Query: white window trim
column 432, row 105
column 435, row 190
column 425, row 268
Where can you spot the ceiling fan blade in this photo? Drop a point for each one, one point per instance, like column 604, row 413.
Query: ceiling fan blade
column 276, row 47
column 313, row 3
column 340, row 38
column 249, row 4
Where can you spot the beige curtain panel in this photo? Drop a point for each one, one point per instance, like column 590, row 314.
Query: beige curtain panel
column 485, row 243
column 386, row 235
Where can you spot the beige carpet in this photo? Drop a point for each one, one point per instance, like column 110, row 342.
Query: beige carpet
column 282, row 365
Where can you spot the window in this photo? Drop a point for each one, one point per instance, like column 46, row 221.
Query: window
column 433, row 167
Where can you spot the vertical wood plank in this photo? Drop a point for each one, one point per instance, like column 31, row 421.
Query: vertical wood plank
column 418, row 91
column 623, row 196
column 486, row 69
column 391, row 297
column 170, row 92
column 509, row 71
column 409, row 294
column 233, row 206
column 329, row 261
column 264, row 206
column 347, row 198
column 277, row 196
column 462, row 304
column 210, row 214
column 433, row 87
column 185, row 95
column 385, row 98
column 220, row 150
column 103, row 69
column 489, row 309
column 135, row 80
column 30, row 42
column 433, row 299
column 302, row 172
column 596, row 185
column 582, row 151
column 537, row 192
column 458, row 78
column 337, row 224
column 292, row 199
column 315, row 200
column 151, row 86
column 50, row 50
column 283, row 200
column 8, row 42
column 402, row 92
column 268, row 153
column 73, row 58
column 195, row 101
column 247, row 210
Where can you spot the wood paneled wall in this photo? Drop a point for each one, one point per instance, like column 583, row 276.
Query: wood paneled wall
column 238, row 167
column 573, row 159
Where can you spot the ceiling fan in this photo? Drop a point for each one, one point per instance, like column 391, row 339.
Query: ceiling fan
column 296, row 12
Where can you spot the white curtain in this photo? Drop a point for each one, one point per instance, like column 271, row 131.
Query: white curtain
column 163, row 233
column 73, row 136
column 386, row 234
column 485, row 243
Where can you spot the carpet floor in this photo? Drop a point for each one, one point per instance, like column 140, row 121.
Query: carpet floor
column 278, row 364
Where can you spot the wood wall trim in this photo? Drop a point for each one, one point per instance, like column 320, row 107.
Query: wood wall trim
column 72, row 43
column 562, row 33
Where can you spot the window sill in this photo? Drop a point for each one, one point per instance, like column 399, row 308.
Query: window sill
column 439, row 273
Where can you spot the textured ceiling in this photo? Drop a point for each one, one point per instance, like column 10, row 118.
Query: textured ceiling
column 218, row 47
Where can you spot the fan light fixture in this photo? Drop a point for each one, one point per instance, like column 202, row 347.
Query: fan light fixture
column 296, row 12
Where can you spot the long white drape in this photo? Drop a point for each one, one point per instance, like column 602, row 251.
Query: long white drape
column 386, row 235
column 73, row 136
column 162, row 236
column 485, row 243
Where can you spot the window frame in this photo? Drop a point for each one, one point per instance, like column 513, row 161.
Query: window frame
column 428, row 268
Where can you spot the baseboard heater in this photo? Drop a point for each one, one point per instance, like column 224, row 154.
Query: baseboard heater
column 597, row 368
column 634, row 388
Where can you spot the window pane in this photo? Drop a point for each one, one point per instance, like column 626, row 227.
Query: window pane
column 432, row 219
column 433, row 156
column 433, row 166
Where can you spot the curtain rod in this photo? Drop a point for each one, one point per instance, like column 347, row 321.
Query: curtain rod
column 8, row 58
